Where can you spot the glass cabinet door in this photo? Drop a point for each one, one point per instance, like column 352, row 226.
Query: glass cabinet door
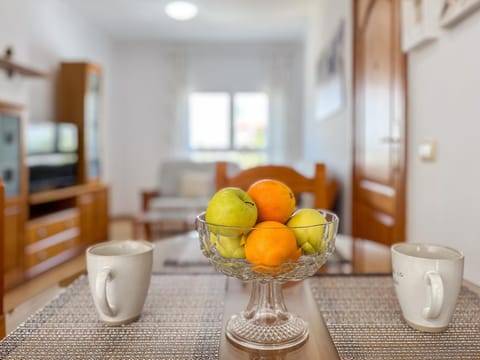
column 92, row 113
column 10, row 154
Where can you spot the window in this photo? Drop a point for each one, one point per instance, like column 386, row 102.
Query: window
column 250, row 118
column 224, row 126
column 209, row 124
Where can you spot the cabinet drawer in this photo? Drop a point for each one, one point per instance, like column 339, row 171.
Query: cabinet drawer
column 40, row 229
column 45, row 249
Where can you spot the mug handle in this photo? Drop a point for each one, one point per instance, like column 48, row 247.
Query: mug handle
column 435, row 300
column 103, row 277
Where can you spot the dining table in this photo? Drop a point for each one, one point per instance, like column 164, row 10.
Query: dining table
column 349, row 304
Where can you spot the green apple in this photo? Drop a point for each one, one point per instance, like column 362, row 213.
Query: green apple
column 231, row 207
column 229, row 247
column 310, row 230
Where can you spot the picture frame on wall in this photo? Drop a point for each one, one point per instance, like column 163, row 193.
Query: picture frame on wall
column 330, row 88
column 454, row 11
column 420, row 23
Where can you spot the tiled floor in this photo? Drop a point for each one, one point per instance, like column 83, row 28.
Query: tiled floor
column 28, row 298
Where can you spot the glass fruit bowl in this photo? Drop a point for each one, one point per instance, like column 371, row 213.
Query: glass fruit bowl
column 266, row 324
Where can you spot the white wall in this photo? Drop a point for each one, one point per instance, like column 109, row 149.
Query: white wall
column 443, row 200
column 330, row 140
column 149, row 98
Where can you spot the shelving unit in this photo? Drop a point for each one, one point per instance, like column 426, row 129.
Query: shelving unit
column 45, row 229
column 12, row 67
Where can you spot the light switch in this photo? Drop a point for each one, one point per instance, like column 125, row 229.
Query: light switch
column 426, row 150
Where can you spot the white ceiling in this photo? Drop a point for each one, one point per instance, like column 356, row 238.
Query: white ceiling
column 217, row 20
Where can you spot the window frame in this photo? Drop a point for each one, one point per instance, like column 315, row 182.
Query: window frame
column 231, row 118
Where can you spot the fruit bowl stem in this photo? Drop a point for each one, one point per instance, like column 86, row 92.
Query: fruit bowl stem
column 266, row 323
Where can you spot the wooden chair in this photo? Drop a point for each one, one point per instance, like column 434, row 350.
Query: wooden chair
column 324, row 191
column 2, row 216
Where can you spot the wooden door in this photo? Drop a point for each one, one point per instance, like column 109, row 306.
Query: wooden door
column 379, row 122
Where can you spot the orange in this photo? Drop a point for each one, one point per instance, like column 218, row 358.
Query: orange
column 275, row 200
column 271, row 243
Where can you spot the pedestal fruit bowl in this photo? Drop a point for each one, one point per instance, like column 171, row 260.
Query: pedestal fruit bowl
column 266, row 324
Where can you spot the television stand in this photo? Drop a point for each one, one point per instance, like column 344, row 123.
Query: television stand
column 61, row 224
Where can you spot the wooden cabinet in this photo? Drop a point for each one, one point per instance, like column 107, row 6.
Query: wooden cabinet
column 86, row 205
column 43, row 229
column 14, row 222
column 79, row 101
column 93, row 207
column 63, row 223
column 102, row 214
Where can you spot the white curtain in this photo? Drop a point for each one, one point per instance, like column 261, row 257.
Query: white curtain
column 178, row 138
column 285, row 119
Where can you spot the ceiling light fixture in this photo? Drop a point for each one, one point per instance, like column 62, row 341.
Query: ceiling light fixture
column 181, row 10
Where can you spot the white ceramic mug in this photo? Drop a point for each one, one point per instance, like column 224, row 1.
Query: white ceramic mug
column 427, row 282
column 119, row 274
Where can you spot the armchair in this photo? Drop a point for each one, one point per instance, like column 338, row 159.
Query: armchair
column 184, row 189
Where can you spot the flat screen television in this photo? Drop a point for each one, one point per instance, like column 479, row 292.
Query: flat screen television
column 52, row 155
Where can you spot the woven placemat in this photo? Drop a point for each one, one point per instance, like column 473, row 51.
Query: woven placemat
column 364, row 319
column 184, row 256
column 181, row 319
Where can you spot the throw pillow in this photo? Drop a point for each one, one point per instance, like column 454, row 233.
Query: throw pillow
column 196, row 184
